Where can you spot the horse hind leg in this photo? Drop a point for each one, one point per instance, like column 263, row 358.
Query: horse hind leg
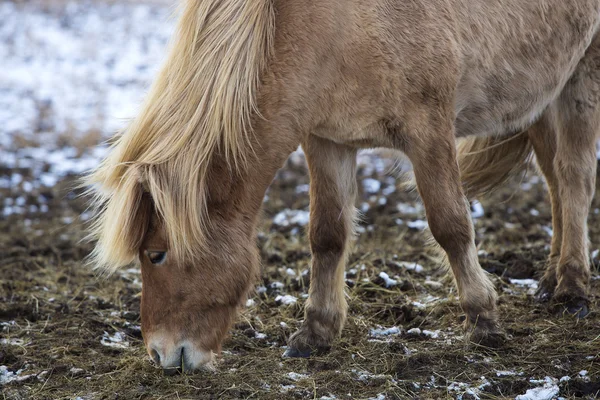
column 578, row 116
column 433, row 155
column 543, row 137
column 333, row 190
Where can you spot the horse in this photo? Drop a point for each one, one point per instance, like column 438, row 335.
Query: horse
column 246, row 82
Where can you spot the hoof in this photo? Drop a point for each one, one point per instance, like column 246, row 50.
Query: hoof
column 577, row 307
column 292, row 352
column 305, row 342
column 171, row 371
column 545, row 290
column 486, row 333
column 492, row 340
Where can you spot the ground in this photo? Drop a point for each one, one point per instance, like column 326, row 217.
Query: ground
column 67, row 333
column 73, row 73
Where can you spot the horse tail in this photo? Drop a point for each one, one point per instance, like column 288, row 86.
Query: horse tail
column 486, row 162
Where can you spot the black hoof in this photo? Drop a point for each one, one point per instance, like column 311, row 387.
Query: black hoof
column 578, row 309
column 171, row 371
column 292, row 352
column 577, row 306
column 492, row 340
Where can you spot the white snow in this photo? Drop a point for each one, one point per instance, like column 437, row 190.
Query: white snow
column 302, row 188
column 414, row 331
column 546, row 392
column 548, row 230
column 366, row 376
column 118, row 340
column 7, row 376
column 260, row 335
column 289, row 217
column 274, row 285
column 74, row 71
column 287, row 388
column 375, row 332
column 371, row 185
column 417, row 224
column 524, row 282
column 408, row 209
column 508, row 373
column 461, row 388
column 87, row 68
column 530, row 284
column 12, row 342
column 411, row 266
column 477, row 209
column 389, row 282
column 425, row 332
column 296, row 376
column 432, row 334
column 286, row 300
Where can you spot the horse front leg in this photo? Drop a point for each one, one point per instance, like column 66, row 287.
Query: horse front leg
column 433, row 155
column 332, row 170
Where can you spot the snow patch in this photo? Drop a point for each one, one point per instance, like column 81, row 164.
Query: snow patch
column 7, row 376
column 389, row 282
column 296, row 376
column 411, row 266
column 546, row 392
column 371, row 185
column 375, row 332
column 289, row 217
column 118, row 340
column 286, row 300
column 477, row 210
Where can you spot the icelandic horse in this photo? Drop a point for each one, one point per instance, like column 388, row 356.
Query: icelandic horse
column 246, row 82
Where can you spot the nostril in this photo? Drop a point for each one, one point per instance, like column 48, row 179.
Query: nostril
column 155, row 357
column 182, row 360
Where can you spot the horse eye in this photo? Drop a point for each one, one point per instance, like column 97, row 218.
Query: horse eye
column 156, row 257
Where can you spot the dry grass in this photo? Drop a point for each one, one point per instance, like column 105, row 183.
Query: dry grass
column 62, row 325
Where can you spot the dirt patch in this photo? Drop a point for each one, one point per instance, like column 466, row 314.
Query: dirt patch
column 66, row 333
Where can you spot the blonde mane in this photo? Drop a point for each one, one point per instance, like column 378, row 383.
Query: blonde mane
column 200, row 104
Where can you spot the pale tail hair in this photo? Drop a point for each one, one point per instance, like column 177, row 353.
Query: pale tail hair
column 201, row 103
column 487, row 162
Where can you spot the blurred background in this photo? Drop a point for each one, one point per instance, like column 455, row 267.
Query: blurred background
column 71, row 75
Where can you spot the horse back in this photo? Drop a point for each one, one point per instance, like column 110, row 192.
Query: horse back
column 348, row 70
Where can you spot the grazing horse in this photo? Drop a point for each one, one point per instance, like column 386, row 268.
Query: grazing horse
column 246, row 82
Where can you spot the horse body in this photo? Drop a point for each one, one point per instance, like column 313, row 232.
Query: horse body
column 337, row 76
column 500, row 63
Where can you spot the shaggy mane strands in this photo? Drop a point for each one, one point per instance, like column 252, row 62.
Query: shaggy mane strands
column 201, row 103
